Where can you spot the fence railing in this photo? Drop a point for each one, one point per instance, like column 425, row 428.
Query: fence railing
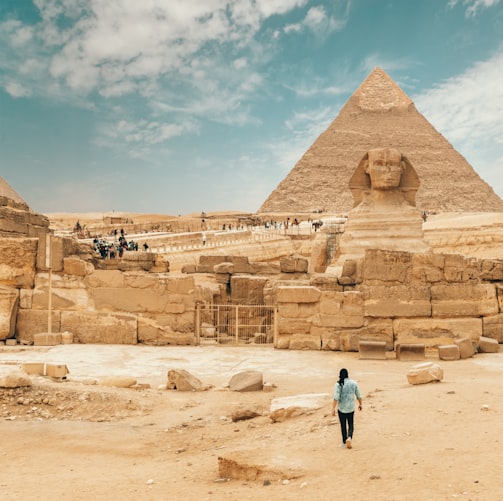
column 236, row 324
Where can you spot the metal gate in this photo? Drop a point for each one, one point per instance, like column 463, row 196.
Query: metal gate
column 235, row 324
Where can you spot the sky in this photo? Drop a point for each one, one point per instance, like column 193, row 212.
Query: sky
column 183, row 106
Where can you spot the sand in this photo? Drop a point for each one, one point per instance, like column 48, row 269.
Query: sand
column 435, row 441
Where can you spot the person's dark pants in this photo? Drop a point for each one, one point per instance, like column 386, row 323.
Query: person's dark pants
column 347, row 424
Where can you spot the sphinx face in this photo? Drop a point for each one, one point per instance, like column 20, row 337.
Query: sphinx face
column 385, row 169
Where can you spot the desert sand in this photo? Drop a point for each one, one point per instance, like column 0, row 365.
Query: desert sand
column 91, row 442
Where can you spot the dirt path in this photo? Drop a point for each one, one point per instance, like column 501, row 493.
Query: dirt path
column 433, row 441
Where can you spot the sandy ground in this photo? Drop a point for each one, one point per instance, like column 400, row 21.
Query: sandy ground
column 74, row 441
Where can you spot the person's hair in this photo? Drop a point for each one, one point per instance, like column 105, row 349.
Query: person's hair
column 343, row 374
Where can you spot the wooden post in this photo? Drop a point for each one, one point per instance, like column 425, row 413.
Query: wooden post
column 48, row 265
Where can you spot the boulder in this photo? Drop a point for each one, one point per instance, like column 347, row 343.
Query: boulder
column 425, row 373
column 14, row 379
column 297, row 405
column 242, row 414
column 182, row 380
column 247, row 381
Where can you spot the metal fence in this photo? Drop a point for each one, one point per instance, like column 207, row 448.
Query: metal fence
column 235, row 324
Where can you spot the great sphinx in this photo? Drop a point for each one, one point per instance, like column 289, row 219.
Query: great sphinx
column 384, row 215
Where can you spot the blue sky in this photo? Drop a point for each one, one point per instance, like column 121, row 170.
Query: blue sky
column 179, row 106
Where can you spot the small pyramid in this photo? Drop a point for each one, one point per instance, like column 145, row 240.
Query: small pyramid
column 7, row 191
column 380, row 115
column 16, row 217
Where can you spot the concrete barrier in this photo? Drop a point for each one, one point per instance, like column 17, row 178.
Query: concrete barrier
column 372, row 350
column 415, row 351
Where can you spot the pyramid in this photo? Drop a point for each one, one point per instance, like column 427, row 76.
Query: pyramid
column 379, row 114
column 16, row 217
column 7, row 191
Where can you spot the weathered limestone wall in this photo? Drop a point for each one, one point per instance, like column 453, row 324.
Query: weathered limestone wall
column 17, row 219
column 396, row 297
column 110, row 306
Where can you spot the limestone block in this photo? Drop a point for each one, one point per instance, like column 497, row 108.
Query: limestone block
column 247, row 381
column 339, row 321
column 351, row 272
column 247, row 289
column 460, row 269
column 31, row 322
column 130, row 261
column 426, row 372
column 302, row 294
column 297, row 310
column 141, row 280
column 427, row 268
column 449, row 352
column 100, row 327
column 9, row 301
column 330, row 339
column 34, row 368
column 107, row 279
column 18, row 261
column 466, row 348
column 283, row 341
column 293, row 326
column 452, row 300
column 151, row 332
column 407, row 351
column 189, row 268
column 293, row 264
column 25, row 298
column 436, row 331
column 387, row 266
column 492, row 270
column 345, row 303
column 241, row 264
column 47, row 339
column 499, row 293
column 77, row 266
column 265, row 268
column 130, row 300
column 56, row 370
column 412, row 300
column 305, row 342
column 224, row 268
column 488, row 345
column 326, row 283
column 492, row 327
column 117, row 381
column 372, row 350
column 182, row 380
column 63, row 298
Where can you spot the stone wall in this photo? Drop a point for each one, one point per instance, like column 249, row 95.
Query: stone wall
column 396, row 297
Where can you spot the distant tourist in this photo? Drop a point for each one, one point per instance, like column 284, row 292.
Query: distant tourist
column 145, row 247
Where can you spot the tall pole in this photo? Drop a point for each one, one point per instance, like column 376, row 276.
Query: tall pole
column 48, row 265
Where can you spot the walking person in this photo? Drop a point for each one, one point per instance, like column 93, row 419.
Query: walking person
column 345, row 392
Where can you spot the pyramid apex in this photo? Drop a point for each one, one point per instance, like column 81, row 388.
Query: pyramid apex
column 378, row 92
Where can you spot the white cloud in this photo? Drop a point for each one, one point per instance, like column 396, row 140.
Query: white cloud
column 472, row 6
column 15, row 89
column 318, row 21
